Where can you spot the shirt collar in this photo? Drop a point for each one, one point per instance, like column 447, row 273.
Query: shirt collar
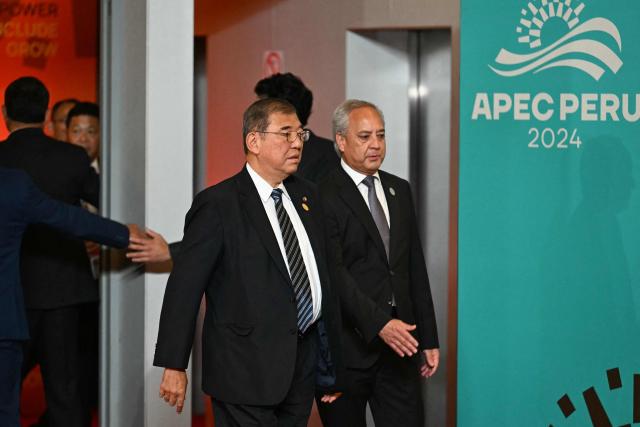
column 263, row 187
column 356, row 176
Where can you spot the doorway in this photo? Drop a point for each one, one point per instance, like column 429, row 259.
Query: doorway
column 407, row 73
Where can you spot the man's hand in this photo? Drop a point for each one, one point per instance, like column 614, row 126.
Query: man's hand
column 173, row 388
column 396, row 334
column 134, row 232
column 330, row 398
column 432, row 360
column 150, row 248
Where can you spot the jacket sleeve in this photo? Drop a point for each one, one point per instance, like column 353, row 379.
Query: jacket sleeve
column 200, row 251
column 73, row 220
column 420, row 288
column 174, row 248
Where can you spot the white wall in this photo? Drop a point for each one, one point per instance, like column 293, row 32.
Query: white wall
column 146, row 96
column 169, row 168
column 378, row 72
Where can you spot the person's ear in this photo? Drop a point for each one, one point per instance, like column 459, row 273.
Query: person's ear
column 7, row 121
column 340, row 142
column 252, row 141
column 48, row 123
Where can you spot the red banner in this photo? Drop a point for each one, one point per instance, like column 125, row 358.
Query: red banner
column 55, row 41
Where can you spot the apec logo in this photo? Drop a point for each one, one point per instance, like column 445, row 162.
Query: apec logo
column 553, row 36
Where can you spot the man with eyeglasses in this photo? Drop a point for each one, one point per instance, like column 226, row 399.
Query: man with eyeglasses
column 319, row 157
column 254, row 246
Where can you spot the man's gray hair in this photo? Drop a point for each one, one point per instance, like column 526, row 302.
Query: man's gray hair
column 341, row 114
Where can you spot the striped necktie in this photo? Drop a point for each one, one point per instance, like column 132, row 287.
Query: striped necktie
column 297, row 269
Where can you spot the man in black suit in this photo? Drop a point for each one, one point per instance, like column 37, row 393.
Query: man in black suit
column 254, row 246
column 389, row 327
column 55, row 269
column 22, row 204
column 319, row 157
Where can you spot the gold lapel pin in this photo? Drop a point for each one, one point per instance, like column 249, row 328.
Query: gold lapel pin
column 392, row 191
column 304, row 198
column 305, row 207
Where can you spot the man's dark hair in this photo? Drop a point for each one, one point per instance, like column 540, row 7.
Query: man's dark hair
column 26, row 100
column 256, row 117
column 290, row 88
column 84, row 109
column 60, row 103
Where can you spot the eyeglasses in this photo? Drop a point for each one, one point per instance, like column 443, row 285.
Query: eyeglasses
column 291, row 136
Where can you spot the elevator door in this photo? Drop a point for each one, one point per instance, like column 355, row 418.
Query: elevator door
column 408, row 75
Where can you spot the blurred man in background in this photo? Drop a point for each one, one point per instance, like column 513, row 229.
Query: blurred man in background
column 318, row 156
column 57, row 124
column 22, row 204
column 83, row 130
column 56, row 273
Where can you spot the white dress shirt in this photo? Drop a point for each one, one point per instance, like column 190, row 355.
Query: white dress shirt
column 358, row 177
column 264, row 191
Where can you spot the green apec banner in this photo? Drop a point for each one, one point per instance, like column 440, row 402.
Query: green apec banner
column 549, row 221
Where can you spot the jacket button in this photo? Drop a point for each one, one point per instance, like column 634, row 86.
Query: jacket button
column 392, row 273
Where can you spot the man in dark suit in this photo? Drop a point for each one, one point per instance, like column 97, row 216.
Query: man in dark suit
column 55, row 269
column 389, row 327
column 254, row 246
column 319, row 157
column 21, row 204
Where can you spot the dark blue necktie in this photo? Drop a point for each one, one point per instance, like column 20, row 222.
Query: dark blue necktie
column 297, row 269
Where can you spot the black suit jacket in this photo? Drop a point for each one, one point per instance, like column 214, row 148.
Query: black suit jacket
column 318, row 159
column 21, row 204
column 365, row 278
column 230, row 254
column 55, row 268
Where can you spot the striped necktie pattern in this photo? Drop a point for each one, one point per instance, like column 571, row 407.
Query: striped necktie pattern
column 297, row 268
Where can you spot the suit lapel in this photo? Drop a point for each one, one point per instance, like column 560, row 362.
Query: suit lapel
column 299, row 198
column 392, row 204
column 252, row 205
column 351, row 196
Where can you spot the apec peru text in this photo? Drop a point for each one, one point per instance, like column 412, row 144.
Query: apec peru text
column 587, row 107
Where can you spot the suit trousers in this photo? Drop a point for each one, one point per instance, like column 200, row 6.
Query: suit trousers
column 10, row 362
column 391, row 387
column 294, row 410
column 54, row 344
